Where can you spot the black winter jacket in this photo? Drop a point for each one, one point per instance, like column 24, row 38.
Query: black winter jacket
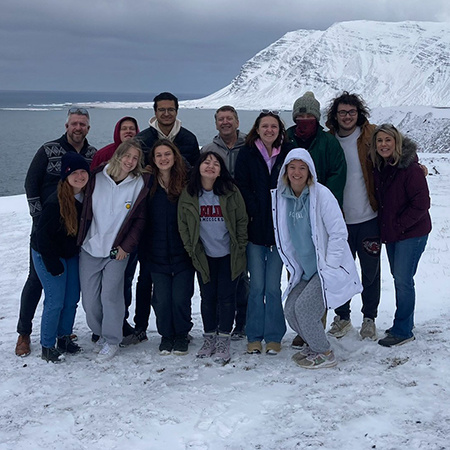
column 185, row 141
column 255, row 182
column 50, row 237
column 161, row 246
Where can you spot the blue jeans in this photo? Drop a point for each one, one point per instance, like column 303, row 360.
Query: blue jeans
column 265, row 317
column 172, row 302
column 62, row 294
column 403, row 260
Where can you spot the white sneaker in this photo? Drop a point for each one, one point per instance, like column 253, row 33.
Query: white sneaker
column 99, row 345
column 339, row 328
column 368, row 329
column 107, row 352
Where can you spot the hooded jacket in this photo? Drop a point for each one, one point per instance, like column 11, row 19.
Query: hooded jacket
column 229, row 155
column 105, row 153
column 403, row 197
column 185, row 141
column 335, row 265
column 132, row 227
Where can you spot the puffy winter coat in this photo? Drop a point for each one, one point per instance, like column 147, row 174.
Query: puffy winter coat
column 403, row 197
column 335, row 265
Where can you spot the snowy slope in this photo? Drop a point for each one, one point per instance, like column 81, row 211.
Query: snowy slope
column 390, row 64
column 375, row 398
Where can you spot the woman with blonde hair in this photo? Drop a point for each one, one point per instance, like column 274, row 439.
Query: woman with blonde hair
column 111, row 225
column 311, row 238
column 402, row 193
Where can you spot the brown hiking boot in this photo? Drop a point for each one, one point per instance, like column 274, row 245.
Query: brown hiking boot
column 23, row 345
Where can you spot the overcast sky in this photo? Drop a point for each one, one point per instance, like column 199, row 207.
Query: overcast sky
column 183, row 46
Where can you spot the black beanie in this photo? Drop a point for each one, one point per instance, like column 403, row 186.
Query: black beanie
column 72, row 161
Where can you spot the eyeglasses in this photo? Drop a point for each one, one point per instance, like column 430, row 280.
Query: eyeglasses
column 351, row 113
column 275, row 112
column 166, row 110
column 80, row 111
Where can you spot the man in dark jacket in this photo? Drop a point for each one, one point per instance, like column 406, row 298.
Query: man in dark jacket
column 165, row 125
column 41, row 181
column 324, row 148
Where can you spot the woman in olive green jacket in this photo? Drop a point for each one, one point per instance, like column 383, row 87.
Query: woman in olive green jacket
column 212, row 221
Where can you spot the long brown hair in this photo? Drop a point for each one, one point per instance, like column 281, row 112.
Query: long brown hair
column 178, row 172
column 67, row 208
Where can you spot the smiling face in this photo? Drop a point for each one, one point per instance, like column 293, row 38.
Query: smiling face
column 297, row 174
column 77, row 128
column 78, row 180
column 166, row 113
column 268, row 130
column 385, row 145
column 127, row 130
column 129, row 161
column 346, row 116
column 164, row 158
column 226, row 124
column 210, row 169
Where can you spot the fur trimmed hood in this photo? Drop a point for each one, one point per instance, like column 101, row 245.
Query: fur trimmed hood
column 409, row 153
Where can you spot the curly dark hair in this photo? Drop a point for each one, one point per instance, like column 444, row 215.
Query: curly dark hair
column 223, row 184
column 348, row 99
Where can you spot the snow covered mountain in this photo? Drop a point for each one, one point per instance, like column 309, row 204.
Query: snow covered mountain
column 390, row 64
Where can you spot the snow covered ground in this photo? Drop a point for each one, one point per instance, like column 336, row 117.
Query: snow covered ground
column 376, row 397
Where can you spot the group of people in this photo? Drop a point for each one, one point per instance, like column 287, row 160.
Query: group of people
column 232, row 213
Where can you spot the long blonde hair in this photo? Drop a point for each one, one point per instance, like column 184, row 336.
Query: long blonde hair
column 114, row 169
column 67, row 208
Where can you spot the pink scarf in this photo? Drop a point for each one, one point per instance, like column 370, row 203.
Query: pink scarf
column 270, row 160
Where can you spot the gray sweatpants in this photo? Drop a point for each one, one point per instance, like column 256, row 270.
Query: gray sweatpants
column 304, row 309
column 101, row 281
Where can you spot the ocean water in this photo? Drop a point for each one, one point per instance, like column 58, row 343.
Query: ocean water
column 29, row 118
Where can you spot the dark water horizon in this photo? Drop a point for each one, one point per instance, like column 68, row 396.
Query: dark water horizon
column 30, row 118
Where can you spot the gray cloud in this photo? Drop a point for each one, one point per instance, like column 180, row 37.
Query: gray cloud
column 187, row 47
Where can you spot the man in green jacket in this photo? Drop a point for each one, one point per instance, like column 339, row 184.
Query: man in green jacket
column 324, row 148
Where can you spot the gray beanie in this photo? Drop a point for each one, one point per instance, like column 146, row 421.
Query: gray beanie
column 306, row 104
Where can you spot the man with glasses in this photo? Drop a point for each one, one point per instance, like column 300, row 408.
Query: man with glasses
column 348, row 122
column 227, row 144
column 165, row 125
column 325, row 150
column 42, row 179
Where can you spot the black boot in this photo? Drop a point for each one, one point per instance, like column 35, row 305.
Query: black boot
column 51, row 354
column 66, row 345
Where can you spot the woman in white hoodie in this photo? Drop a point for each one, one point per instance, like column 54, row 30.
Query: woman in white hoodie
column 111, row 224
column 311, row 238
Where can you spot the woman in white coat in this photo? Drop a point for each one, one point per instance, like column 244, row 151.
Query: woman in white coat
column 311, row 238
